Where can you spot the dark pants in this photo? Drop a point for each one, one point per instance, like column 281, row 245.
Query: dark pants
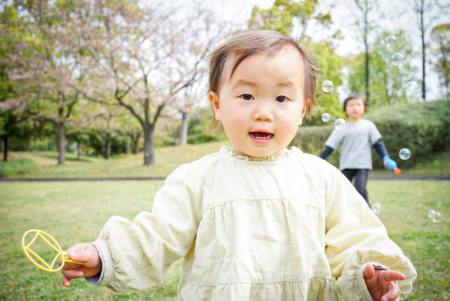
column 360, row 176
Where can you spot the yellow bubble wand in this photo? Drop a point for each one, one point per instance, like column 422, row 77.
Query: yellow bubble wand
column 57, row 263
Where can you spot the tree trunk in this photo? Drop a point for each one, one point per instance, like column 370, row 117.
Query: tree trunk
column 5, row 148
column 108, row 146
column 135, row 142
column 446, row 80
column 60, row 142
column 367, row 57
column 184, row 128
column 78, row 149
column 149, row 152
column 422, row 35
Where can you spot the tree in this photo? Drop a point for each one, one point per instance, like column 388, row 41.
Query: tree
column 365, row 6
column 285, row 16
column 420, row 7
column 428, row 13
column 392, row 75
column 13, row 119
column 136, row 54
column 200, row 37
column 13, row 123
column 329, row 68
column 440, row 35
column 48, row 62
column 184, row 105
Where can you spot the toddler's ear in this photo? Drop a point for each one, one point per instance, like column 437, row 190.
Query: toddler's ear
column 215, row 104
column 303, row 113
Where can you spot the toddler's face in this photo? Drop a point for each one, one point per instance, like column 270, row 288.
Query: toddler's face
column 355, row 108
column 261, row 104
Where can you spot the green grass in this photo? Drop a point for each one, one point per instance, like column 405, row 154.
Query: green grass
column 436, row 165
column 17, row 167
column 75, row 212
column 166, row 158
column 71, row 212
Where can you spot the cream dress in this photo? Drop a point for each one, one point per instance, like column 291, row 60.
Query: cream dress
column 290, row 227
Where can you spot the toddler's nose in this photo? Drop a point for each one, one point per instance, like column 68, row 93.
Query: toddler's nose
column 263, row 112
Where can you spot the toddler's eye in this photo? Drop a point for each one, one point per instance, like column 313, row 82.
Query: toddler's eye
column 282, row 98
column 246, row 96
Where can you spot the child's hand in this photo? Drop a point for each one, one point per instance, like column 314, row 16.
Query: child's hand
column 382, row 283
column 86, row 254
column 389, row 163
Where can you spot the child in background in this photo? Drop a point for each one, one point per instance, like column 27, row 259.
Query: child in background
column 258, row 220
column 357, row 137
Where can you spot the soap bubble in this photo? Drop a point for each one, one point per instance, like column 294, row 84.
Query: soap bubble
column 338, row 123
column 397, row 59
column 434, row 216
column 325, row 117
column 404, row 154
column 327, row 86
column 376, row 208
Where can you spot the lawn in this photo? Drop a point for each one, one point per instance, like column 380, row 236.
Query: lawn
column 43, row 164
column 75, row 212
column 167, row 159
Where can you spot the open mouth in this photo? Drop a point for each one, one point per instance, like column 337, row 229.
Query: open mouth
column 261, row 135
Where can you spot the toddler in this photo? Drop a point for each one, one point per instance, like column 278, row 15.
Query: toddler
column 257, row 220
column 357, row 136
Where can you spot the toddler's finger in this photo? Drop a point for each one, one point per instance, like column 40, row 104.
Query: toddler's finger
column 369, row 271
column 393, row 293
column 388, row 275
column 65, row 282
column 71, row 274
column 79, row 252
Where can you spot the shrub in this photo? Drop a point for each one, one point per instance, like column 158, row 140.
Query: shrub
column 17, row 167
column 420, row 127
column 161, row 139
column 202, row 128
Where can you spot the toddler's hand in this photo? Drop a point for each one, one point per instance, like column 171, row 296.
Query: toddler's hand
column 382, row 283
column 389, row 163
column 84, row 253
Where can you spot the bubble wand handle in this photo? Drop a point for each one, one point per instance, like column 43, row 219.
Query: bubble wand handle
column 71, row 261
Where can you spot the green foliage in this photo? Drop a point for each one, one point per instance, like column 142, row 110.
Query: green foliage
column 329, row 68
column 161, row 139
column 311, row 139
column 202, row 128
column 421, row 127
column 440, row 37
column 389, row 76
column 120, row 144
column 17, row 167
column 283, row 13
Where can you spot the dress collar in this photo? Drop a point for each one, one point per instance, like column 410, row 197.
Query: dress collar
column 233, row 154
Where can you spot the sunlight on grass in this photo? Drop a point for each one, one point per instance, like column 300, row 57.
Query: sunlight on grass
column 166, row 158
column 75, row 212
column 71, row 212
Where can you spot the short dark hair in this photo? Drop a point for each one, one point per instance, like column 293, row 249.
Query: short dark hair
column 261, row 41
column 354, row 96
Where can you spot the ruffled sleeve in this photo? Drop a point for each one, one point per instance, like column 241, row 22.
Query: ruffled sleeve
column 355, row 237
column 136, row 254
